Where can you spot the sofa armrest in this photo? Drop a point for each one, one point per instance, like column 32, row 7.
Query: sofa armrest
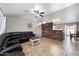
column 6, row 50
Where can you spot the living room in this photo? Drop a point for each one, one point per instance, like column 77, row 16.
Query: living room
column 39, row 29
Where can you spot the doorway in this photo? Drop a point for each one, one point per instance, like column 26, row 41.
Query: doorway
column 71, row 28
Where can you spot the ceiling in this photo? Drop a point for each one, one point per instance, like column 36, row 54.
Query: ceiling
column 25, row 8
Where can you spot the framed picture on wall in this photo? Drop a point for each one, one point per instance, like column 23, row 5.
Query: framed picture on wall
column 29, row 25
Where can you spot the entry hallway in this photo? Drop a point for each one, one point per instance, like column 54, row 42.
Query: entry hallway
column 52, row 47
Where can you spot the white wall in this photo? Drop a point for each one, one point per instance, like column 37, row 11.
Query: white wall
column 66, row 15
column 19, row 23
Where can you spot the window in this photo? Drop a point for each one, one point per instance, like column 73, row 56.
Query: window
column 2, row 23
column 58, row 27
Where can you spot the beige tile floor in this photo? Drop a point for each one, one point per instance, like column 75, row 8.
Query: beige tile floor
column 52, row 47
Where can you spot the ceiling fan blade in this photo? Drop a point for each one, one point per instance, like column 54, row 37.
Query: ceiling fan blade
column 41, row 15
column 42, row 12
column 37, row 12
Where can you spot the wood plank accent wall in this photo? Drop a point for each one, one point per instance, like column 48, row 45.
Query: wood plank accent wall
column 49, row 33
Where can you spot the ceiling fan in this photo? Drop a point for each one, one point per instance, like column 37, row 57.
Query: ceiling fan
column 36, row 13
column 39, row 13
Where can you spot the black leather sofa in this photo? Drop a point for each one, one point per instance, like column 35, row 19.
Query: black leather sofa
column 10, row 42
